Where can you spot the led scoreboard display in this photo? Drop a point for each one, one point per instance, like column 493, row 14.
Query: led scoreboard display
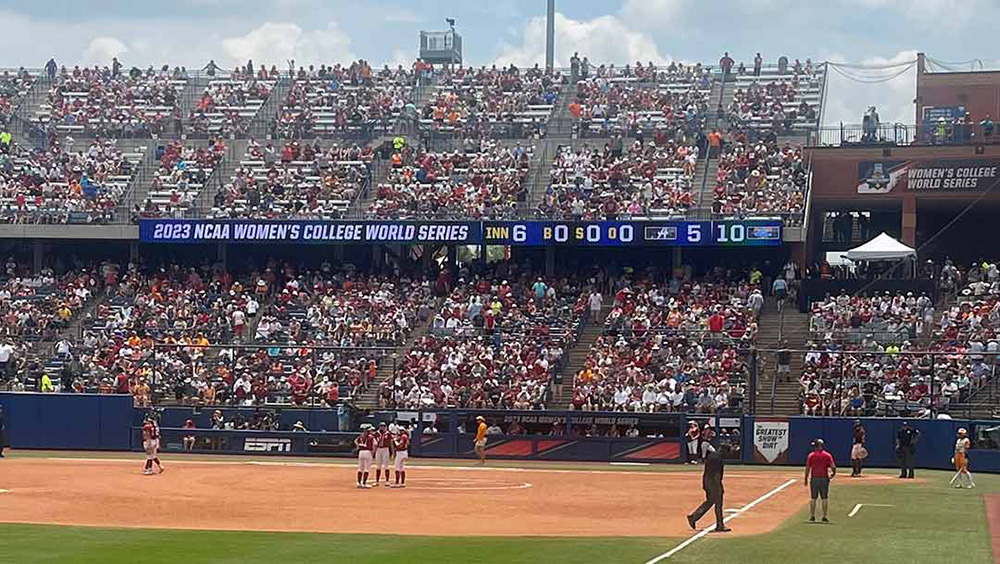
column 633, row 233
column 758, row 232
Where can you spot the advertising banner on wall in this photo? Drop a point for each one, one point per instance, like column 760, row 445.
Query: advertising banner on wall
column 770, row 441
column 884, row 177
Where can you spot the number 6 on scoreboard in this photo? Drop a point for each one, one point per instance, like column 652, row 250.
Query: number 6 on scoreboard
column 694, row 233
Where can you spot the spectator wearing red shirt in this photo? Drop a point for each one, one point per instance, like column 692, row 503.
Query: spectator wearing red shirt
column 716, row 322
column 822, row 468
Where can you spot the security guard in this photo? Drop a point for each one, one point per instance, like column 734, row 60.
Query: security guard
column 711, row 482
column 906, row 449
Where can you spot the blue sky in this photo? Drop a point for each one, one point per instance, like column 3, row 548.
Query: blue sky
column 189, row 32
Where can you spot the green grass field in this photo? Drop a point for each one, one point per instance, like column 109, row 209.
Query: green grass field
column 929, row 522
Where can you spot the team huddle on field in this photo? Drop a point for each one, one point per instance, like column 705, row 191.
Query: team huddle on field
column 378, row 447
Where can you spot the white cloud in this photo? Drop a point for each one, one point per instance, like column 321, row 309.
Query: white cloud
column 602, row 39
column 656, row 14
column 275, row 43
column 847, row 99
column 102, row 49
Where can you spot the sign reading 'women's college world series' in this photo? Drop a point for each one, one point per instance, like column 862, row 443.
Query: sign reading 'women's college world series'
column 770, row 441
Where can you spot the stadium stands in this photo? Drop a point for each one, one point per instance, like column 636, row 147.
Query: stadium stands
column 759, row 179
column 467, row 102
column 180, row 177
column 626, row 100
column 106, row 102
column 295, row 180
column 14, row 86
column 486, row 180
column 61, row 185
column 669, row 348
column 344, row 101
column 783, row 102
column 652, row 180
column 229, row 104
column 493, row 344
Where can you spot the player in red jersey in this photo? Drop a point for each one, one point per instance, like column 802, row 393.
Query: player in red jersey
column 402, row 444
column 151, row 444
column 365, row 445
column 383, row 443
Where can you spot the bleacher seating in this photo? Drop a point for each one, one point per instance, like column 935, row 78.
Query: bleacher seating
column 93, row 101
column 180, row 177
column 651, row 180
column 295, row 180
column 485, row 180
column 626, row 100
column 343, row 100
column 60, row 185
column 785, row 103
column 468, row 102
column 14, row 86
column 229, row 104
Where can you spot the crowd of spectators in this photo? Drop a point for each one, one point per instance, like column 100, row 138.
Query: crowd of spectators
column 178, row 180
column 759, row 178
column 60, row 185
column 777, row 101
column 471, row 102
column 484, row 180
column 13, row 88
column 670, row 347
column 295, row 180
column 40, row 306
column 107, row 101
column 343, row 99
column 629, row 100
column 228, row 105
column 493, row 344
column 647, row 179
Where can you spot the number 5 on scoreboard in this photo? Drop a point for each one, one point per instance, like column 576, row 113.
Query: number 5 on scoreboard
column 694, row 233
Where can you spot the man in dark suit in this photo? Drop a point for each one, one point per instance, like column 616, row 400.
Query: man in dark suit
column 711, row 482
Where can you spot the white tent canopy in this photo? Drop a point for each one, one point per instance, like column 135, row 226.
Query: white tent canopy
column 882, row 247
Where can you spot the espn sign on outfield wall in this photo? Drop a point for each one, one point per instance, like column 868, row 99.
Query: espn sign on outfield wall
column 770, row 441
column 266, row 444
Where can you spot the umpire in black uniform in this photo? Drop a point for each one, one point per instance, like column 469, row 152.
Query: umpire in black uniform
column 711, row 482
column 906, row 449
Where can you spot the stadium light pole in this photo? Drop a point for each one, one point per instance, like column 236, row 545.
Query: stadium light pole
column 550, row 35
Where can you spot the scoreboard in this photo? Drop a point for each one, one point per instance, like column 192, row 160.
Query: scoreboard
column 738, row 233
column 634, row 233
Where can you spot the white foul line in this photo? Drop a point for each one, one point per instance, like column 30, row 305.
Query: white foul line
column 735, row 514
column 860, row 505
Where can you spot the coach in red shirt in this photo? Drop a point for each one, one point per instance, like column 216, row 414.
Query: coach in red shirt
column 821, row 466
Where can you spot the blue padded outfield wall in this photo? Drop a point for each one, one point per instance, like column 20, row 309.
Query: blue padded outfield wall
column 68, row 421
column 110, row 422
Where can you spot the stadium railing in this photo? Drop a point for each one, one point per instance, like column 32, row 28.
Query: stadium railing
column 900, row 135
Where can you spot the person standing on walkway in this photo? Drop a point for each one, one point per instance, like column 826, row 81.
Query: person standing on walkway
column 858, row 450
column 906, row 449
column 711, row 482
column 821, row 468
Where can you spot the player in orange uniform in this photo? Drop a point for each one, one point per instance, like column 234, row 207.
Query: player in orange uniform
column 365, row 445
column 383, row 442
column 402, row 444
column 151, row 444
column 480, row 442
column 961, row 460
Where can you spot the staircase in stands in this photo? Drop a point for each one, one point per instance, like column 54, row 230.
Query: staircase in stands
column 773, row 326
column 386, row 369
column 575, row 358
